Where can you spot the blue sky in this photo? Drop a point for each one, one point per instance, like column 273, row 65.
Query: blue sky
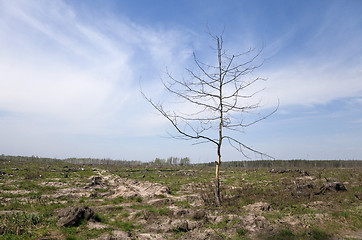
column 71, row 74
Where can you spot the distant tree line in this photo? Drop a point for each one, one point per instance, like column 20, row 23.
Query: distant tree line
column 292, row 164
column 94, row 161
column 171, row 161
column 175, row 161
column 26, row 158
column 102, row 161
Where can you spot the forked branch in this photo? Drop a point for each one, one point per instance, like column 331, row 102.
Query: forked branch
column 217, row 92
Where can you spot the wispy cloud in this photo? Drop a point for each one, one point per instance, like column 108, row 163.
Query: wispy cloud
column 60, row 74
column 56, row 64
column 317, row 60
column 67, row 78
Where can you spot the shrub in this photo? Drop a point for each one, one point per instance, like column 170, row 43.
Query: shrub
column 240, row 232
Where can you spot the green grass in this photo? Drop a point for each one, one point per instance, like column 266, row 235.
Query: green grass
column 19, row 224
column 69, row 232
column 136, row 199
column 138, row 214
column 351, row 216
column 163, row 211
column 102, row 190
column 284, row 234
column 318, row 234
column 127, row 226
column 149, row 208
column 240, row 232
column 118, row 199
column 161, row 196
column 71, row 238
column 8, row 187
column 240, row 187
column 183, row 204
column 125, row 214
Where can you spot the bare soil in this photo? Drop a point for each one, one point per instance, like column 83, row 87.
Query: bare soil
column 178, row 204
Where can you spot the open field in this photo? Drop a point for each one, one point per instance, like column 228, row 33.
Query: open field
column 60, row 200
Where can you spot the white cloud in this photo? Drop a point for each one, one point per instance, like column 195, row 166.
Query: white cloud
column 71, row 88
column 319, row 65
column 51, row 67
column 310, row 82
column 66, row 79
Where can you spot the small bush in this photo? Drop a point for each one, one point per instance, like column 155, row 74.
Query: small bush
column 240, row 232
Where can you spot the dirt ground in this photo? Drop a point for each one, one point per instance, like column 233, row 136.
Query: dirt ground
column 91, row 202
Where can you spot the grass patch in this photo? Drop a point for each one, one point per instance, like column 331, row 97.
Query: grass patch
column 163, row 211
column 19, row 224
column 125, row 214
column 318, row 234
column 100, row 218
column 284, row 234
column 149, row 208
column 69, row 232
column 138, row 214
column 71, row 238
column 127, row 226
column 183, row 204
column 240, row 232
column 161, row 196
column 118, row 199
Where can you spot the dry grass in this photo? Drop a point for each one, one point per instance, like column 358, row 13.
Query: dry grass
column 32, row 192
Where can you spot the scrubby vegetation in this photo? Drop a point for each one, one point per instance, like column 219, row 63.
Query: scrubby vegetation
column 265, row 200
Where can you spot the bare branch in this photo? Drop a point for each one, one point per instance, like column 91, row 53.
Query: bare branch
column 174, row 122
column 240, row 146
column 218, row 93
column 256, row 121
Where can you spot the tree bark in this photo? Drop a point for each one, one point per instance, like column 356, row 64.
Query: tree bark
column 217, row 92
column 217, row 183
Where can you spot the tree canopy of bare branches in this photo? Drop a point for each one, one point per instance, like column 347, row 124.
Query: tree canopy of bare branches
column 219, row 97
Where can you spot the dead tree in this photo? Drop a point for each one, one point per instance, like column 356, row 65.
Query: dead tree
column 220, row 97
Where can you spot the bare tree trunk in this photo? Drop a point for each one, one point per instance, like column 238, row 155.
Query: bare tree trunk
column 217, row 93
column 217, row 181
column 217, row 184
